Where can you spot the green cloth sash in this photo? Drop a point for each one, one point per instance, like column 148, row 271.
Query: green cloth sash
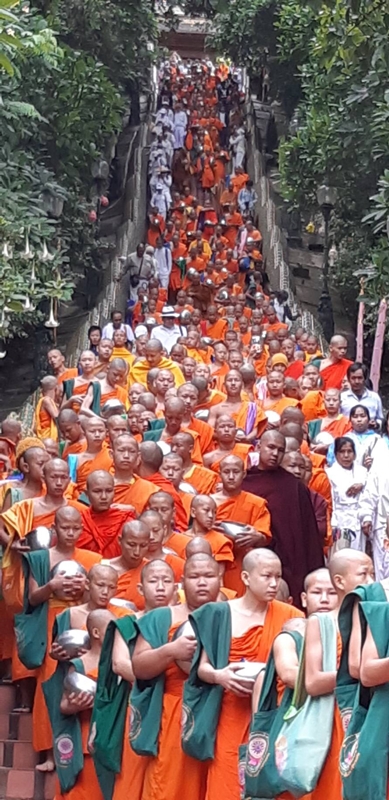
column 346, row 685
column 202, row 701
column 364, row 755
column 261, row 777
column 110, row 709
column 68, row 388
column 156, row 426
column 31, row 624
column 67, row 740
column 147, row 696
column 95, row 407
column 314, row 428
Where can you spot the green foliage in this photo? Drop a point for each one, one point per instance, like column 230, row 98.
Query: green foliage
column 64, row 71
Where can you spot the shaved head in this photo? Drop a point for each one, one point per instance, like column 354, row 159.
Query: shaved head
column 349, row 569
column 67, row 514
column 259, row 557
column 292, row 414
column 103, row 570
column 198, row 545
column 151, row 455
column 316, row 575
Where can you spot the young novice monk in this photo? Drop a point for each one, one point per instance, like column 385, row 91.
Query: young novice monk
column 156, row 550
column 81, row 704
column 241, row 629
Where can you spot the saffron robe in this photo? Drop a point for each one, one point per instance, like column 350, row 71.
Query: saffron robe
column 100, row 530
column 136, row 493
column 333, row 375
column 139, row 371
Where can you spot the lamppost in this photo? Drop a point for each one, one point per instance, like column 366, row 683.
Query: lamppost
column 326, row 198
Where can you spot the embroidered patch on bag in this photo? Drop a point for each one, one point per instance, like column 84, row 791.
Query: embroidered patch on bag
column 64, row 750
column 346, row 716
column 187, row 722
column 135, row 723
column 257, row 753
column 349, row 754
column 281, row 753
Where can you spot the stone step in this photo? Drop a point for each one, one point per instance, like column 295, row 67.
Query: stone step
column 26, row 784
column 17, row 754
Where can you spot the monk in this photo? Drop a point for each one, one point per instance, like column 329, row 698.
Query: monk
column 203, row 514
column 42, row 596
column 73, row 703
column 31, row 457
column 295, row 536
column 226, row 444
column 104, row 356
column 75, row 389
column 276, row 400
column 207, row 397
column 150, row 462
column 235, row 505
column 116, row 425
column 28, row 514
column 172, row 468
column 202, row 479
column 153, row 358
column 333, row 369
column 165, row 505
column 134, row 541
column 201, row 585
column 173, row 423
column 109, row 387
column 95, row 456
column 189, row 394
column 72, row 433
column 56, row 360
column 130, row 489
column 46, row 412
column 334, row 422
column 295, row 366
column 248, row 626
column 250, row 420
column 215, row 326
column 102, row 520
column 156, row 550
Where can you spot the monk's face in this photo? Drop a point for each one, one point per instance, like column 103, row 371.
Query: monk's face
column 100, row 490
column 133, row 416
column 104, row 350
column 134, row 544
column 165, row 508
column 272, row 450
column 95, row 432
column 312, row 345
column 204, row 512
column 188, row 368
column 202, row 371
column 153, row 355
column 320, row 595
column 87, row 362
column 102, row 586
column 201, row 581
column 158, row 587
column 233, row 382
column 173, row 418
column 332, row 401
column 173, row 470
column 312, row 373
column 163, row 381
column 232, row 473
column 56, row 475
column 116, row 426
column 189, row 396
column 120, row 338
column 275, row 384
column 221, row 353
column 68, row 527
column 263, row 580
column 116, row 376
column 136, row 390
column 71, row 431
column 287, row 348
column 33, row 463
column 225, row 429
column 55, row 359
column 294, row 463
column 126, row 453
column 157, row 532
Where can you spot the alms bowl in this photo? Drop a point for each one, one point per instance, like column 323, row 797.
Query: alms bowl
column 40, row 538
column 75, row 682
column 232, row 529
column 185, row 629
column 72, row 641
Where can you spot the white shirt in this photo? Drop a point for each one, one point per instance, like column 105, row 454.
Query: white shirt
column 349, row 512
column 108, row 331
column 168, row 336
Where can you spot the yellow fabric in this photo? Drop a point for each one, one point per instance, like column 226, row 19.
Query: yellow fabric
column 139, row 371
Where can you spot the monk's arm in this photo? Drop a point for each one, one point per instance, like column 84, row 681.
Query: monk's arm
column 41, row 594
column 4, row 536
column 73, row 703
column 88, row 399
column 374, row 670
column 286, row 659
column 51, row 408
column 355, row 646
column 147, row 662
column 121, row 661
column 317, row 682
column 225, row 677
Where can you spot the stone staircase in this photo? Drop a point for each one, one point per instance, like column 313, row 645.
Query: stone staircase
column 18, row 778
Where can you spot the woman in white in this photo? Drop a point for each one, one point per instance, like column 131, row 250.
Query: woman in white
column 369, row 446
column 180, row 126
column 352, row 511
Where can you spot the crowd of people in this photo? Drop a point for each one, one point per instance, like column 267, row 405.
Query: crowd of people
column 195, row 542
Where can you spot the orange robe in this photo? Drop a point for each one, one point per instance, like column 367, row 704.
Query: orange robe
column 222, row 548
column 333, row 375
column 102, row 460
column 241, row 450
column 132, row 772
column 235, row 715
column 178, row 542
column 74, row 448
column 280, row 405
column 218, row 329
column 68, row 375
column 140, row 370
column 173, row 775
column 202, row 479
column 215, row 398
column 42, row 737
column 248, row 509
column 340, row 426
column 45, row 425
column 117, row 393
column 136, row 493
column 100, row 530
column 128, row 585
column 205, row 433
column 312, row 405
column 164, row 485
column 240, row 418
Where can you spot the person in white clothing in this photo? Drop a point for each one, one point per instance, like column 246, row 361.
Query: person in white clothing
column 351, row 506
column 369, row 446
column 117, row 324
column 169, row 331
column 238, row 145
column 180, row 127
column 163, row 257
column 162, row 199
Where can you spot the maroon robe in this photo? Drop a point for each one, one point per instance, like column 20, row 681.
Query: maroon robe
column 296, row 538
